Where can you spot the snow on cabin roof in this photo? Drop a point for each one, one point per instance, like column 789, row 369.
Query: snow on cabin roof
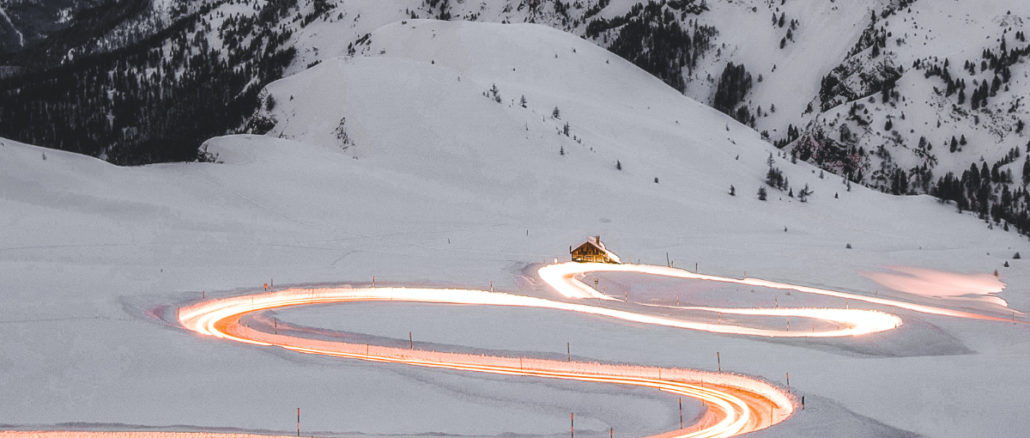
column 596, row 242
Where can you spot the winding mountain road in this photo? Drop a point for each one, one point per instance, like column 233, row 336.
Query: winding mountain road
column 735, row 404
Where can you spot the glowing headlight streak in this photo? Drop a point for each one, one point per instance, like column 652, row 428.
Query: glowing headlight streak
column 562, row 277
column 736, row 404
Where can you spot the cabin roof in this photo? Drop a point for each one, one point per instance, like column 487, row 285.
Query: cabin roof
column 595, row 241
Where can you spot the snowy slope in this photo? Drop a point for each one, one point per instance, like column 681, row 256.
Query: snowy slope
column 817, row 71
column 924, row 35
column 789, row 50
column 440, row 184
column 794, row 53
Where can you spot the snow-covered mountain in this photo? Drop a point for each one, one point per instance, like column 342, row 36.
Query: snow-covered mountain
column 871, row 90
column 421, row 163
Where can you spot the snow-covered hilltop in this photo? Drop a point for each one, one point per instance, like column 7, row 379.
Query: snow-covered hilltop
column 894, row 94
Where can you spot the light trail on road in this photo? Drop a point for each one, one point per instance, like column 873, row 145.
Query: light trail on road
column 562, row 277
column 736, row 404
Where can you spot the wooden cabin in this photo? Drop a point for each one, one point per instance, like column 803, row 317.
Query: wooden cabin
column 593, row 251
